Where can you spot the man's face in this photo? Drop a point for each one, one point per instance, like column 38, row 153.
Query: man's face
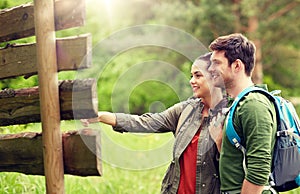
column 220, row 70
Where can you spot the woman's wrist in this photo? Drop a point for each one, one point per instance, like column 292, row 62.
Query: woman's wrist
column 94, row 120
column 99, row 117
column 106, row 118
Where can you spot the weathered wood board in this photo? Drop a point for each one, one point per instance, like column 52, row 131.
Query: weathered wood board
column 19, row 21
column 20, row 60
column 78, row 99
column 23, row 153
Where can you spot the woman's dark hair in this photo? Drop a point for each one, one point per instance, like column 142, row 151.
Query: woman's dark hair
column 205, row 57
column 236, row 46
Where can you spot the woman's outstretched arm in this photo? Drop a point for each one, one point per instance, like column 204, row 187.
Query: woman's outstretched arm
column 103, row 117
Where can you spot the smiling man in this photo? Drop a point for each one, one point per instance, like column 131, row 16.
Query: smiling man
column 233, row 61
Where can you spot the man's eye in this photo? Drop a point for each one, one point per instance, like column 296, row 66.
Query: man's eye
column 214, row 63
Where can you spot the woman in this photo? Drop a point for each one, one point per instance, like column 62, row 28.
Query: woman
column 194, row 168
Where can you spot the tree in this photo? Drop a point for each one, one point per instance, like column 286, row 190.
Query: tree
column 274, row 28
column 272, row 25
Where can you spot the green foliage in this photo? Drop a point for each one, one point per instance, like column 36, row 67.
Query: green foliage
column 187, row 16
column 285, row 61
column 10, row 3
column 278, row 32
column 20, row 183
column 217, row 20
column 19, row 82
column 3, row 4
column 133, row 84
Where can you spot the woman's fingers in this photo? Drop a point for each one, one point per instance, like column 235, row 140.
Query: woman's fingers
column 84, row 122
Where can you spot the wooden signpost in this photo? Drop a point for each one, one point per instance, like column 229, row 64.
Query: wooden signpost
column 49, row 153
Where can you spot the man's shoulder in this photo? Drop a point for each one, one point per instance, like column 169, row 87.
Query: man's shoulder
column 256, row 103
column 256, row 99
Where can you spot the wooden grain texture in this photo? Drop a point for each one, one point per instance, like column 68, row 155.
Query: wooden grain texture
column 78, row 99
column 49, row 95
column 20, row 60
column 23, row 152
column 18, row 22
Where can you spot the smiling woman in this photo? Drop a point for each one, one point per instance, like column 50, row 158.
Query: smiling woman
column 194, row 114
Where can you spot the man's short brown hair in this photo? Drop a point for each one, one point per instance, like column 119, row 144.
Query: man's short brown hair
column 236, row 46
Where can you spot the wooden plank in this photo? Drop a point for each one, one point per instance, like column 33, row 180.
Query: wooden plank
column 72, row 53
column 49, row 95
column 78, row 99
column 82, row 152
column 18, row 22
column 23, row 153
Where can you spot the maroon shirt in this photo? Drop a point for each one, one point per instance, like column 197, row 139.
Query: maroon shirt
column 187, row 183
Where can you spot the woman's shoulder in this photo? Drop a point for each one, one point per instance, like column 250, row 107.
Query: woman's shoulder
column 193, row 101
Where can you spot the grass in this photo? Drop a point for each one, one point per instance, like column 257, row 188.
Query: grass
column 114, row 180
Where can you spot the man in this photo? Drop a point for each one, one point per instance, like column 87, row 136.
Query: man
column 233, row 60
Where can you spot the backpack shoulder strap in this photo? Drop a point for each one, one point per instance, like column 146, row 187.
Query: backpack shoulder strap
column 230, row 131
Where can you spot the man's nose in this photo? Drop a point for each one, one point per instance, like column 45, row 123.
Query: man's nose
column 210, row 69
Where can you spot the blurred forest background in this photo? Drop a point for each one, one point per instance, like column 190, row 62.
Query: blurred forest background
column 273, row 25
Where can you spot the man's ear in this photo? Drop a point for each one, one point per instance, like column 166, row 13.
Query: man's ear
column 238, row 65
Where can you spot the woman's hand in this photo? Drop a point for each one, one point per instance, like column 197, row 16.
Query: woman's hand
column 86, row 122
column 104, row 117
column 215, row 129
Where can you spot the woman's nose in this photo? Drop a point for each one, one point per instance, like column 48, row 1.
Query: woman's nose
column 192, row 80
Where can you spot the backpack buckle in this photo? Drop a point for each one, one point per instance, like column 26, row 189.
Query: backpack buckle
column 236, row 143
column 282, row 133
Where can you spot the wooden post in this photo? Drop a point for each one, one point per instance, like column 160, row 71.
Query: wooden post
column 49, row 96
